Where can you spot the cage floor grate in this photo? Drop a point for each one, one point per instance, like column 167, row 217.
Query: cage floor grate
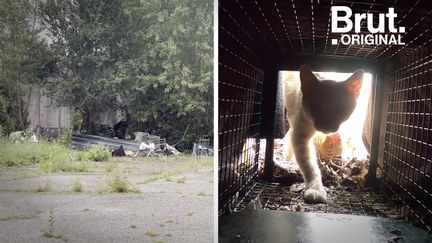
column 275, row 196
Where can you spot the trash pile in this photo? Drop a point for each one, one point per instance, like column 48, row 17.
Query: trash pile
column 21, row 136
column 143, row 145
column 202, row 148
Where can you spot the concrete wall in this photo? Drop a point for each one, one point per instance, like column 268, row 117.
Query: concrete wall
column 44, row 112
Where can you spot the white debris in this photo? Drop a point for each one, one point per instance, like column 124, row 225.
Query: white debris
column 34, row 139
column 149, row 146
column 17, row 137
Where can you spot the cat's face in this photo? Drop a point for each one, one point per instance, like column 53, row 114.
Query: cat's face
column 329, row 103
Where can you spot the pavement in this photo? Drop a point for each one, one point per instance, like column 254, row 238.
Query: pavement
column 175, row 204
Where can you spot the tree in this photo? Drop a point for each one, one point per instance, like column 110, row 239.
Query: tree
column 154, row 56
column 22, row 59
column 82, row 33
column 171, row 72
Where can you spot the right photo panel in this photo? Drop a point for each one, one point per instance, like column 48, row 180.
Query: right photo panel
column 324, row 121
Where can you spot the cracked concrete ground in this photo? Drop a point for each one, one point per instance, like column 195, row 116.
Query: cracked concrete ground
column 175, row 203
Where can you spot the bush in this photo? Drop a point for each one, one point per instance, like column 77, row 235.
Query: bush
column 66, row 138
column 119, row 183
column 98, row 153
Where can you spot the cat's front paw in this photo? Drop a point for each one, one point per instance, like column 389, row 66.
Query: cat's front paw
column 315, row 194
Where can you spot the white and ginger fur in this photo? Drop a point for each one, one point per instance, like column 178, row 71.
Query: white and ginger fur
column 311, row 106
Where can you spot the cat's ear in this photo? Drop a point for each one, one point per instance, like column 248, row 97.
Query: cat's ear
column 353, row 84
column 307, row 78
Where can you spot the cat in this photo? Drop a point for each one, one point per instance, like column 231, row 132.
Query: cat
column 313, row 105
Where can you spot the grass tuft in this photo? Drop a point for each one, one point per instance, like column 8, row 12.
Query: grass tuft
column 77, row 186
column 151, row 233
column 111, row 166
column 119, row 183
column 44, row 188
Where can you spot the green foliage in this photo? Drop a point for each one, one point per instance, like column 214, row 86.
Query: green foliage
column 51, row 156
column 66, row 138
column 97, row 153
column 64, row 164
column 119, row 183
column 111, row 166
column 173, row 66
column 23, row 55
column 77, row 186
column 152, row 58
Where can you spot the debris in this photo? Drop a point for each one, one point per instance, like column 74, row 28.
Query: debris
column 394, row 239
column 118, row 152
column 297, row 187
column 336, row 172
column 396, row 232
column 284, row 208
column 34, row 139
column 328, row 146
column 145, row 146
column 287, row 169
column 254, row 204
column 355, row 171
column 17, row 137
column 202, row 148
column 141, row 136
column 173, row 150
column 129, row 153
column 154, row 146
column 148, row 148
column 349, row 184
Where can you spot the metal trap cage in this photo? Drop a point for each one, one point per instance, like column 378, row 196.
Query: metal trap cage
column 259, row 38
column 368, row 202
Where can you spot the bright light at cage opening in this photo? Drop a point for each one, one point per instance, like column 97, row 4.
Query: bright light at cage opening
column 351, row 131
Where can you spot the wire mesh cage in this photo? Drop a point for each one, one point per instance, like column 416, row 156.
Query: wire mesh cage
column 407, row 164
column 259, row 38
column 240, row 87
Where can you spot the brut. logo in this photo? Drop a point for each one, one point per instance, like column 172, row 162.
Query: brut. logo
column 382, row 33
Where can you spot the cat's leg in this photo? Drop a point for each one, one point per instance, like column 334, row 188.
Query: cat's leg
column 287, row 147
column 306, row 158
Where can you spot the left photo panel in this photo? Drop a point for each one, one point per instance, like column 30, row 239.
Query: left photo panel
column 106, row 121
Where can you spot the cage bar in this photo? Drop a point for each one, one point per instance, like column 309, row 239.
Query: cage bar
column 259, row 38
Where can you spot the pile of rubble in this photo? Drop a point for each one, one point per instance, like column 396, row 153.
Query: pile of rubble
column 336, row 172
column 338, row 176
